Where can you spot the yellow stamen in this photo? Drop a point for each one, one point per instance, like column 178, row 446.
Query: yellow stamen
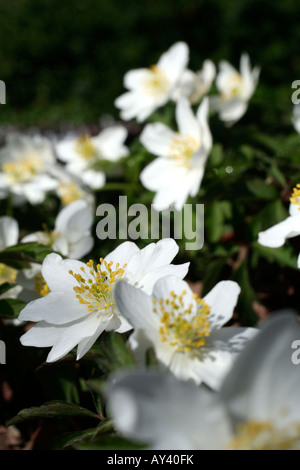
column 264, row 435
column 95, row 289
column 69, row 192
column 295, row 197
column 41, row 286
column 181, row 327
column 155, row 82
column 22, row 170
column 7, row 274
column 85, row 148
column 182, row 148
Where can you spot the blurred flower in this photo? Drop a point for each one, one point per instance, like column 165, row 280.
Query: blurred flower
column 276, row 236
column 235, row 88
column 151, row 88
column 80, row 305
column 257, row 407
column 9, row 235
column 184, row 330
column 194, row 86
column 81, row 154
column 25, row 167
column 179, row 170
column 72, row 232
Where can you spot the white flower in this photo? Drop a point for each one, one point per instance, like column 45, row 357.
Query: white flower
column 151, row 88
column 179, row 168
column 25, row 163
column 71, row 237
column 72, row 232
column 276, row 236
column 9, row 235
column 194, row 86
column 185, row 331
column 81, row 154
column 257, row 407
column 296, row 117
column 80, row 305
column 235, row 88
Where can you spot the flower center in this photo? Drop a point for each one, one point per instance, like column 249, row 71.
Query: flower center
column 180, row 326
column 182, row 148
column 95, row 289
column 295, row 197
column 264, row 435
column 23, row 170
column 235, row 83
column 85, row 148
column 69, row 192
column 7, row 274
column 40, row 285
column 155, row 82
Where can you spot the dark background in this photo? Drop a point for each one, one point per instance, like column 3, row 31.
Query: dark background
column 64, row 61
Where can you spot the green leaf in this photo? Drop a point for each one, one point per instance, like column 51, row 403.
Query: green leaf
column 74, row 438
column 246, row 314
column 112, row 352
column 11, row 308
column 19, row 256
column 284, row 255
column 112, row 442
column 218, row 212
column 261, row 190
column 54, row 409
column 277, row 175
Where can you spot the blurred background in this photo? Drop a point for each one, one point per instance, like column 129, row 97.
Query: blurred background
column 64, row 61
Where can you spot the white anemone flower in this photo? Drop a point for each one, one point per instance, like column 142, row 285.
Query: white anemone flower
column 151, row 88
column 185, row 331
column 257, row 407
column 194, row 85
column 80, row 304
column 25, row 167
column 235, row 88
column 276, row 236
column 82, row 154
column 179, row 168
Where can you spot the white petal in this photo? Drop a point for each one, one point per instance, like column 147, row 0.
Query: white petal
column 186, row 120
column 174, row 61
column 122, row 254
column 157, row 138
column 55, row 271
column 9, row 232
column 202, row 116
column 264, row 383
column 222, row 299
column 72, row 335
column 276, row 236
column 136, row 307
column 93, row 179
column 110, row 143
column 56, row 308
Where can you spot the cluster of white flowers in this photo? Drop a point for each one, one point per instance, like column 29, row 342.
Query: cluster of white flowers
column 216, row 386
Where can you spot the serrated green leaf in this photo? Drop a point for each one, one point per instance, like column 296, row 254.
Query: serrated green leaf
column 54, row 409
column 75, row 438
